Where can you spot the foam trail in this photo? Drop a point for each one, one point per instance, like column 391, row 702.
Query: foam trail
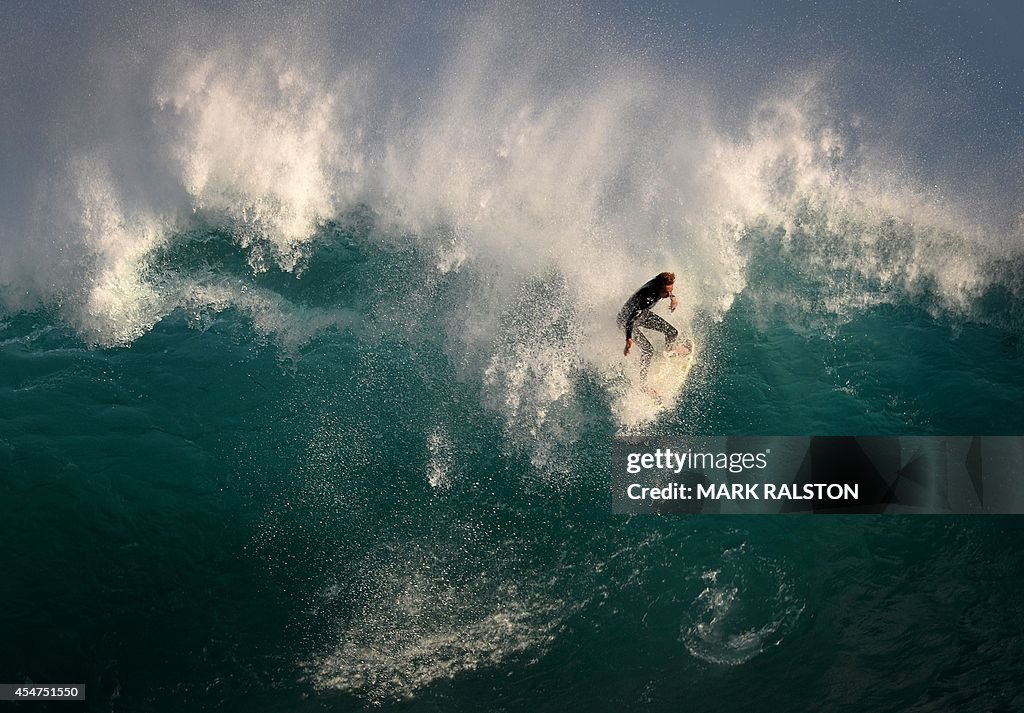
column 416, row 623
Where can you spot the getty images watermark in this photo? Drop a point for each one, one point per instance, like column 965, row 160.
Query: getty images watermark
column 826, row 474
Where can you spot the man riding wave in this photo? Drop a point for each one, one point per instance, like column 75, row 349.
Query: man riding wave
column 637, row 313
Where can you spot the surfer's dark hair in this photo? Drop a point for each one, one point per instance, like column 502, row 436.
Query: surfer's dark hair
column 666, row 278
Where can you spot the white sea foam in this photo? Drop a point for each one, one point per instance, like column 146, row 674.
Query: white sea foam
column 440, row 458
column 748, row 604
column 264, row 139
column 414, row 626
column 537, row 149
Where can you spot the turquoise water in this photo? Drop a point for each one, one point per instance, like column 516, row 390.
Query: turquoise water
column 215, row 517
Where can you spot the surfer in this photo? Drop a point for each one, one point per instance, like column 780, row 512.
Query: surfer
column 637, row 313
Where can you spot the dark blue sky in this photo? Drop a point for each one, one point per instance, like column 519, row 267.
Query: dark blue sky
column 948, row 76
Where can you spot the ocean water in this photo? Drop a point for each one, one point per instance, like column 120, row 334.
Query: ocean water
column 308, row 390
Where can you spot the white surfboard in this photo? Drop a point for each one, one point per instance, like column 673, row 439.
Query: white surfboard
column 641, row 403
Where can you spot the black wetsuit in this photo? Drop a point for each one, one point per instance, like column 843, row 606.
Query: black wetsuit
column 637, row 313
